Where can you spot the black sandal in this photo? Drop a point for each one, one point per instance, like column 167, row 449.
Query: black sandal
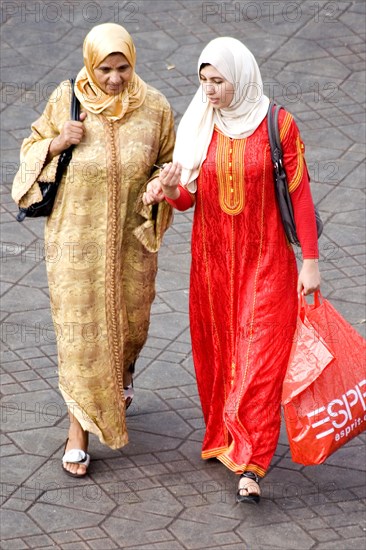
column 250, row 496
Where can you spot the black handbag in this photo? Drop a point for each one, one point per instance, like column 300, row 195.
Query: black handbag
column 49, row 190
column 281, row 185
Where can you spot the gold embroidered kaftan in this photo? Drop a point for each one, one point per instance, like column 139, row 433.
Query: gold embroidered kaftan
column 101, row 244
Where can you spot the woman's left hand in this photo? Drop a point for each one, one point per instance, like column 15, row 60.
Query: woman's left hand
column 309, row 277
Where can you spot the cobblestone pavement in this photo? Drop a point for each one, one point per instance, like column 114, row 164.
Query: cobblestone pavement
column 156, row 493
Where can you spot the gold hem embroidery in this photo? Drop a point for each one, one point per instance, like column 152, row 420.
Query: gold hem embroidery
column 219, row 453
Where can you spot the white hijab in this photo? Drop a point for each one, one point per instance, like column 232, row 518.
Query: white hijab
column 240, row 120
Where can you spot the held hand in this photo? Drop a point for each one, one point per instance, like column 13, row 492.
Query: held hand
column 166, row 185
column 153, row 193
column 71, row 134
column 309, row 277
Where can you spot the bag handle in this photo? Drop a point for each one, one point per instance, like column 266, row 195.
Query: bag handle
column 305, row 307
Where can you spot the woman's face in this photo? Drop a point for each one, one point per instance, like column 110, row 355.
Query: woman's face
column 219, row 92
column 113, row 74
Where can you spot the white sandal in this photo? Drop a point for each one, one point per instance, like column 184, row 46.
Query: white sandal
column 75, row 456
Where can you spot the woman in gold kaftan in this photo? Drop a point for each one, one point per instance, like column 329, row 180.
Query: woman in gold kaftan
column 101, row 241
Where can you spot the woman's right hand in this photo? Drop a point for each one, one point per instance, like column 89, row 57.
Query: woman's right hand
column 170, row 179
column 71, row 134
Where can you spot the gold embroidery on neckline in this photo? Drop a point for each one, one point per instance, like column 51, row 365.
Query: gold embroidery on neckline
column 230, row 173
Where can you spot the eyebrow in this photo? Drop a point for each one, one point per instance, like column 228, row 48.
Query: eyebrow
column 211, row 77
column 122, row 66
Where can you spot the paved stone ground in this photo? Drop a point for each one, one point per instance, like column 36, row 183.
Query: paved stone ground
column 157, row 494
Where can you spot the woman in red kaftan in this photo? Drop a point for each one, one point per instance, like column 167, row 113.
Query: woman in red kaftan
column 244, row 280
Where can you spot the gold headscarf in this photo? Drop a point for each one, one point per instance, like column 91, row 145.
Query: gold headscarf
column 100, row 42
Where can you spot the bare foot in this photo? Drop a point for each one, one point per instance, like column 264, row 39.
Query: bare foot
column 78, row 439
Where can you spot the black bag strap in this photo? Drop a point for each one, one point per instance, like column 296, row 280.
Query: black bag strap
column 75, row 104
column 281, row 188
column 280, row 178
column 65, row 156
column 274, row 134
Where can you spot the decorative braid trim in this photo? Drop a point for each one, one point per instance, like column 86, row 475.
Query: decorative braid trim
column 237, row 468
column 285, row 126
column 213, row 453
column 114, row 268
column 296, row 180
column 241, row 468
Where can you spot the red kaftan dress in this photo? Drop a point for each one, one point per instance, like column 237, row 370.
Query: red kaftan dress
column 243, row 299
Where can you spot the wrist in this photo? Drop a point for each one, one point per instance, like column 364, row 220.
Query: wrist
column 55, row 147
column 172, row 194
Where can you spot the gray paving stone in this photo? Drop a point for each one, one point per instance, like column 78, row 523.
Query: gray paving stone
column 324, row 535
column 357, row 178
column 165, row 423
column 354, row 89
column 14, row 366
column 350, row 506
column 37, row 277
column 167, row 282
column 164, row 375
column 171, row 545
column 344, row 519
column 205, row 530
column 145, row 401
column 140, row 442
column 281, row 535
column 39, row 541
column 101, row 544
column 15, row 544
column 16, row 523
column 17, row 468
column 51, row 518
column 8, row 450
column 177, row 300
column 40, row 441
column 22, row 298
column 39, row 405
column 76, row 546
column 317, row 67
column 88, row 498
column 135, row 532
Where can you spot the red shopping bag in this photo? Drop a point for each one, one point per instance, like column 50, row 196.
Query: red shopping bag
column 324, row 391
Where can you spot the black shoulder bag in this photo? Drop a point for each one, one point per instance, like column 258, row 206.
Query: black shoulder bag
column 49, row 190
column 281, row 185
